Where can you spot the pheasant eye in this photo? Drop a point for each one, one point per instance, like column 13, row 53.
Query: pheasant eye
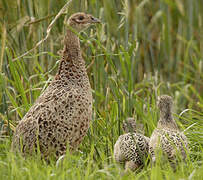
column 81, row 17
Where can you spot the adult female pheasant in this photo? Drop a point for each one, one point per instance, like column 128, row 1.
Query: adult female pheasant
column 62, row 113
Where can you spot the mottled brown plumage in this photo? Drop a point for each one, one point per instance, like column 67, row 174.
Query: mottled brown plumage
column 131, row 148
column 167, row 135
column 62, row 113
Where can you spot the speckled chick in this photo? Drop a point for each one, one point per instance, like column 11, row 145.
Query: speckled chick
column 131, row 148
column 62, row 113
column 167, row 135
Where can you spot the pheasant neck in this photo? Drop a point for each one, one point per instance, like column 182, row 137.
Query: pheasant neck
column 166, row 121
column 72, row 65
column 71, row 49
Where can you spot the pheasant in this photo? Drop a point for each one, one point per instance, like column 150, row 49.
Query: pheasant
column 131, row 148
column 60, row 117
column 167, row 136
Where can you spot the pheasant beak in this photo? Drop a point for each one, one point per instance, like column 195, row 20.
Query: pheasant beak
column 95, row 20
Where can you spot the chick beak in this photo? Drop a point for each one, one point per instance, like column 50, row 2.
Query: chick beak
column 95, row 20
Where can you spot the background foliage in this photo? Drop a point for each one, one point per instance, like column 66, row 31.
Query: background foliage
column 142, row 49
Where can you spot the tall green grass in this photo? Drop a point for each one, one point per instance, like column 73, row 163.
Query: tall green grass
column 142, row 49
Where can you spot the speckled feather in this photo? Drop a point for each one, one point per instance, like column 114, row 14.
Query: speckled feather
column 131, row 148
column 167, row 135
column 62, row 113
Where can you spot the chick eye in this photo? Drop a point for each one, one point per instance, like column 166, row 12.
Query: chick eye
column 81, row 17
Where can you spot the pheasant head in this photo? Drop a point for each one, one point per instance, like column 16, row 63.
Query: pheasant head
column 80, row 21
column 165, row 103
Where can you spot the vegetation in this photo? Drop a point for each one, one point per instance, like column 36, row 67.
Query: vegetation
column 142, row 49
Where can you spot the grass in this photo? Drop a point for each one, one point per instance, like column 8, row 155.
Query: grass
column 142, row 49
